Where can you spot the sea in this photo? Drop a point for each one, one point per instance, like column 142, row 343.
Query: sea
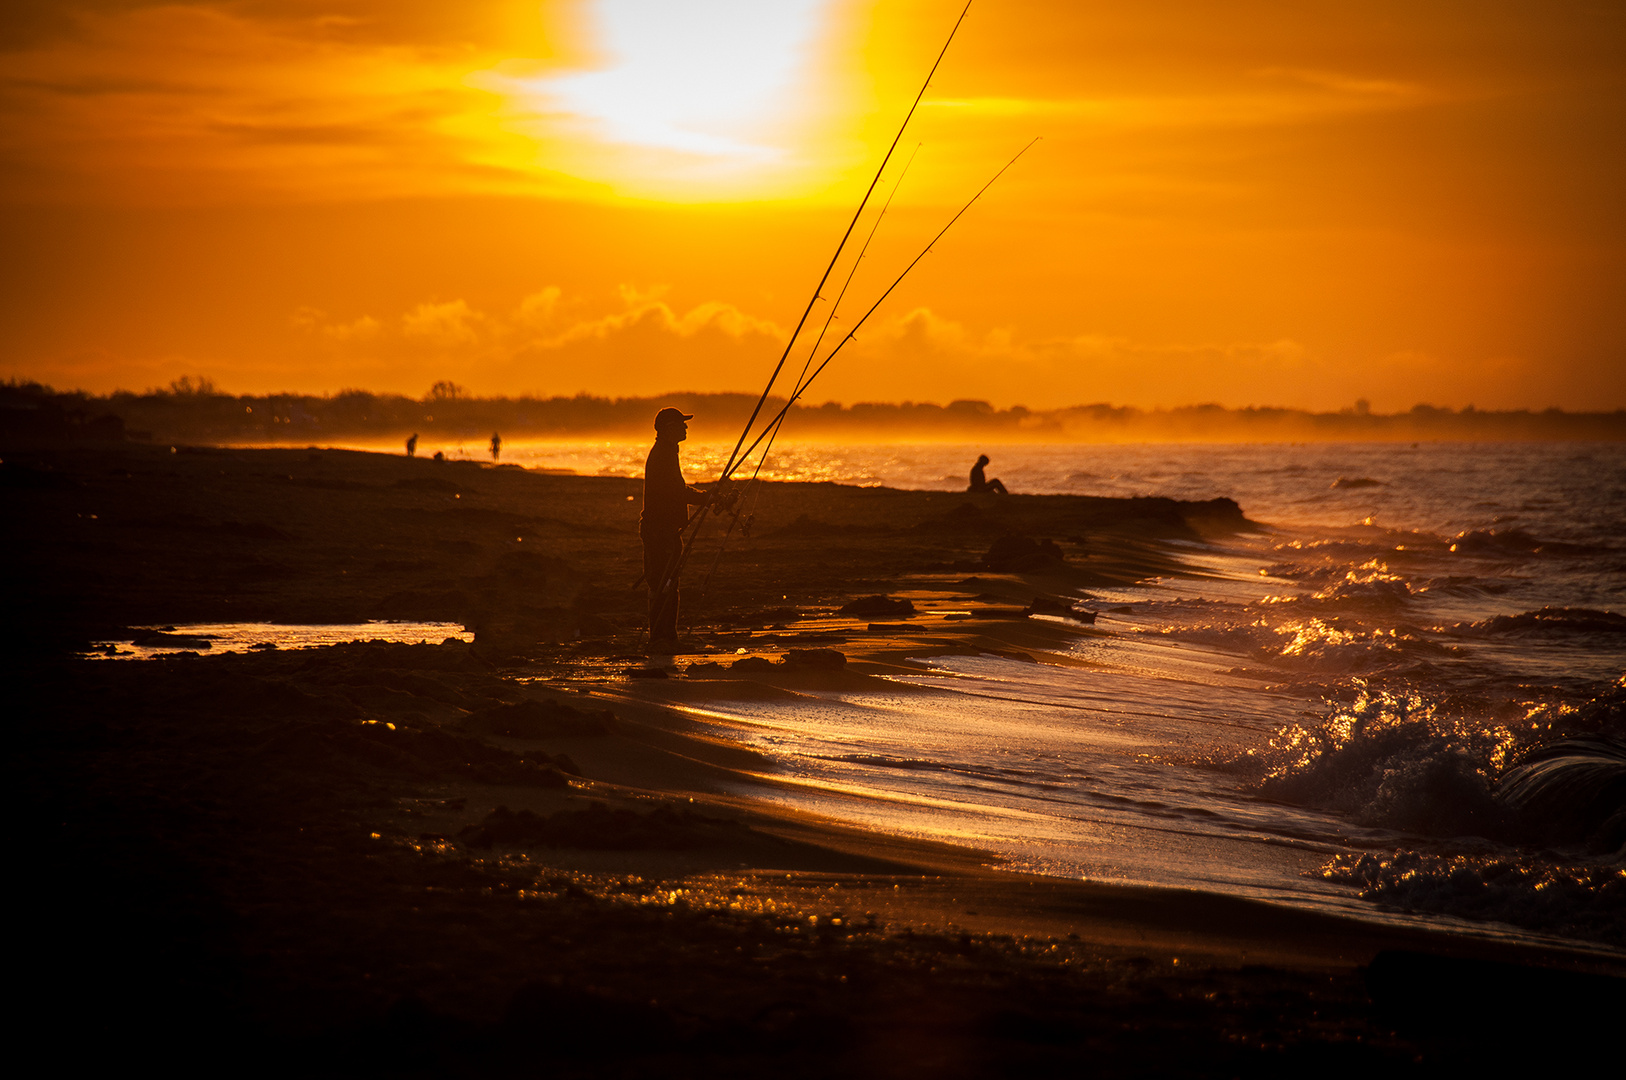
column 1398, row 696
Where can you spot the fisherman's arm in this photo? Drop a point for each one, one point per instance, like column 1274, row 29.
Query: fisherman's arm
column 721, row 494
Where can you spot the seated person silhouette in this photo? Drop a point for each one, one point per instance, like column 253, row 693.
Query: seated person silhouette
column 980, row 484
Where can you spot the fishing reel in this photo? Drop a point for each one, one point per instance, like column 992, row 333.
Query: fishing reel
column 724, row 499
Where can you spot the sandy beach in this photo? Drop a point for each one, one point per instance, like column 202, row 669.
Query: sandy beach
column 460, row 858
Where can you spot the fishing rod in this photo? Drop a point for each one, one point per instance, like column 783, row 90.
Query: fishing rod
column 813, row 352
column 773, row 425
column 694, row 523
column 853, row 332
column 834, row 308
column 853, row 270
column 818, row 289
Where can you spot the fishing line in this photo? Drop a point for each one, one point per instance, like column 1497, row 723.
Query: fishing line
column 836, row 307
column 754, row 491
column 854, row 331
column 695, row 522
column 778, row 420
column 728, row 469
column 842, row 295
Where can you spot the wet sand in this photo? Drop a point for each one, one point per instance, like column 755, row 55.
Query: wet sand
column 453, row 858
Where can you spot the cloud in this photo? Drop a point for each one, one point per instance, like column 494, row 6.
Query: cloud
column 314, row 321
column 645, row 345
column 655, row 319
column 537, row 310
column 450, row 325
column 420, row 24
column 138, row 102
column 919, row 355
column 1298, row 97
column 652, row 347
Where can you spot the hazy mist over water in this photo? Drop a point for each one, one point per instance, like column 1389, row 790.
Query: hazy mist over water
column 1573, row 490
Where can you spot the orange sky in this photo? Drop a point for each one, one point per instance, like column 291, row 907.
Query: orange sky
column 1268, row 203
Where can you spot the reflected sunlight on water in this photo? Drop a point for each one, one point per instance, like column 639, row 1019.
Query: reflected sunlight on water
column 149, row 642
column 1347, row 683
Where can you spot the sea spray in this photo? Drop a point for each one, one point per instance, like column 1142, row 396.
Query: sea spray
column 1392, row 760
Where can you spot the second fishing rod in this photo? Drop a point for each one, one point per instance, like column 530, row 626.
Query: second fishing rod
column 668, row 585
column 772, row 426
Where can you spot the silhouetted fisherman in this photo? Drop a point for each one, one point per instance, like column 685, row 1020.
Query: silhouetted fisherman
column 667, row 498
column 496, row 445
column 980, row 484
column 412, row 444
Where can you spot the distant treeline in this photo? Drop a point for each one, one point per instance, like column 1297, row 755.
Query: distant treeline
column 193, row 411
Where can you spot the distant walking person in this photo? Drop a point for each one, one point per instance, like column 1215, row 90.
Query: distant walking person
column 667, row 498
column 496, row 445
column 980, row 484
column 412, row 444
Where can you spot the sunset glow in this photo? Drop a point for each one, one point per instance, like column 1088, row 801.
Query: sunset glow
column 1296, row 206
column 703, row 89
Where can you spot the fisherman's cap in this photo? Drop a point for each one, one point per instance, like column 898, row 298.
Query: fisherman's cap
column 669, row 417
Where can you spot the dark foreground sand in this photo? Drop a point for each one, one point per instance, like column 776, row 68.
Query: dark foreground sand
column 295, row 862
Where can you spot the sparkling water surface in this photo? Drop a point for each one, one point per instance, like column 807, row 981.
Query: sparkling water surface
column 1348, row 679
column 1376, row 586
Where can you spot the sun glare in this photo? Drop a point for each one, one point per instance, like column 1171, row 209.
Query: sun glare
column 689, row 76
column 693, row 93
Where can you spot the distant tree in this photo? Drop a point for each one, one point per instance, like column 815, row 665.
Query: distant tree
column 193, row 386
column 446, row 390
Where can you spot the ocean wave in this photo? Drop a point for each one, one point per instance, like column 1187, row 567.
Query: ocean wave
column 1326, row 552
column 1544, row 773
column 1371, row 582
column 1573, row 789
column 1314, row 645
column 1348, row 551
column 1495, row 542
column 1547, row 622
column 1505, row 542
column 888, row 761
column 1339, row 646
column 1582, row 901
column 1394, row 761
column 1233, row 636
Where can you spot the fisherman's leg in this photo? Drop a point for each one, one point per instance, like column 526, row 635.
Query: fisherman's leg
column 655, row 561
column 663, row 618
column 666, row 624
column 660, row 559
column 997, row 487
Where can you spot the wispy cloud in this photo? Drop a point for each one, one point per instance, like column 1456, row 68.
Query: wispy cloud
column 1286, row 96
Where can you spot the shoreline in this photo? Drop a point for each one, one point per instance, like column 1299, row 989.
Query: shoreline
column 312, row 837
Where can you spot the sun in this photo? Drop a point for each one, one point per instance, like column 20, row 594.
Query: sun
column 695, row 99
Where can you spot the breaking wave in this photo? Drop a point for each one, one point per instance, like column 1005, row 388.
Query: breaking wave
column 1319, row 646
column 1548, row 622
column 1540, row 773
column 1575, row 788
column 1495, row 542
column 1585, row 900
